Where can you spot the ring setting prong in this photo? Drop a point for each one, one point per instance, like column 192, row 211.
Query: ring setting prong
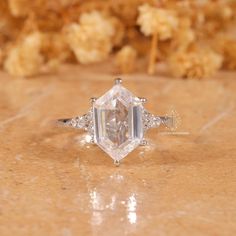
column 143, row 100
column 117, row 162
column 93, row 100
column 118, row 81
column 143, row 142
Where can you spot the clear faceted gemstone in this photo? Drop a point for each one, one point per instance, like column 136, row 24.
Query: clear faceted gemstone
column 82, row 122
column 118, row 127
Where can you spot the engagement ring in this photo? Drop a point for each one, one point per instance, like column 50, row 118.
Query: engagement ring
column 118, row 121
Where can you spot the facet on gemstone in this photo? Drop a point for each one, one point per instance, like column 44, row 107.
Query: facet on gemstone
column 118, row 126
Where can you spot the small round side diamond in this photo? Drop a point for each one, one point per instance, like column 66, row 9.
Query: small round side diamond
column 83, row 122
column 74, row 122
column 150, row 120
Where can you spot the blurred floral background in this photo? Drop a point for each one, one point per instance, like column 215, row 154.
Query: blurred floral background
column 193, row 38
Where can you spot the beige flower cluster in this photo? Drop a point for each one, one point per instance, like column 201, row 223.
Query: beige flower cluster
column 126, row 58
column 157, row 20
column 195, row 38
column 227, row 48
column 25, row 58
column 91, row 38
column 194, row 64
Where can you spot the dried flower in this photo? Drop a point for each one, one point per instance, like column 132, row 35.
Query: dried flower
column 118, row 36
column 138, row 41
column 24, row 58
column 229, row 53
column 194, row 64
column 9, row 26
column 160, row 23
column 1, row 57
column 227, row 47
column 54, row 47
column 125, row 59
column 89, row 31
column 127, row 11
column 184, row 36
column 156, row 20
column 91, row 39
column 55, row 51
column 19, row 8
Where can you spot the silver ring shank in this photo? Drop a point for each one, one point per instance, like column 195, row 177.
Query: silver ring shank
column 65, row 122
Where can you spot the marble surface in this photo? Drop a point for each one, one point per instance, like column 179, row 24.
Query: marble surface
column 54, row 183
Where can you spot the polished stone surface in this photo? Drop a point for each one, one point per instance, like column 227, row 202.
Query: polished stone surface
column 54, row 183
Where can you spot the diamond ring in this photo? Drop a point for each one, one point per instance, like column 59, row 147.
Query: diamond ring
column 117, row 122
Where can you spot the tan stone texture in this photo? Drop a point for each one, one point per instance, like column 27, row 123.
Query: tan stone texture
column 53, row 183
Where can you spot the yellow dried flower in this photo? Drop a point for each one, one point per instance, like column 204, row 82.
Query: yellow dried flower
column 156, row 20
column 230, row 58
column 54, row 47
column 55, row 51
column 1, row 57
column 91, row 39
column 19, row 8
column 172, row 26
column 227, row 12
column 126, row 59
column 127, row 11
column 184, row 36
column 119, row 31
column 138, row 41
column 9, row 26
column 227, row 46
column 194, row 64
column 160, row 23
column 24, row 58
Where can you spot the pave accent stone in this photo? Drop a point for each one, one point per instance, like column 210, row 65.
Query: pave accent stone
column 83, row 122
column 150, row 120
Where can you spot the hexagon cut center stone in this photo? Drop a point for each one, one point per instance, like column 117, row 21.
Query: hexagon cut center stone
column 118, row 122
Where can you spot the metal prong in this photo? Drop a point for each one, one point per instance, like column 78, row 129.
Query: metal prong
column 143, row 142
column 143, row 100
column 118, row 81
column 117, row 162
column 93, row 100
